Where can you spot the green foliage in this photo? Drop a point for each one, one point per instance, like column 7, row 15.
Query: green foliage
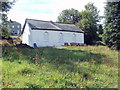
column 88, row 23
column 32, row 85
column 85, row 20
column 111, row 35
column 100, row 33
column 5, row 32
column 4, row 19
column 94, row 17
column 25, row 71
column 6, row 6
column 69, row 16
column 100, row 30
column 60, row 67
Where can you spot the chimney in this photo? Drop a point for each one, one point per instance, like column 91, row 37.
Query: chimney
column 52, row 22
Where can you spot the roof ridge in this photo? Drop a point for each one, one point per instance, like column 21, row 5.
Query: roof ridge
column 14, row 22
column 37, row 20
column 64, row 23
column 49, row 21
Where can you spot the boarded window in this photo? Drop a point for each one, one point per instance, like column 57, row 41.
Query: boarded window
column 46, row 36
column 74, row 37
column 60, row 37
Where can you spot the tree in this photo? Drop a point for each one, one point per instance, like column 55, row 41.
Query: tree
column 5, row 33
column 94, row 12
column 100, row 29
column 69, row 16
column 4, row 19
column 88, row 23
column 100, row 33
column 111, row 34
column 6, row 6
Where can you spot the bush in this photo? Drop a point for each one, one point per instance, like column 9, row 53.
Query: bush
column 25, row 71
column 5, row 33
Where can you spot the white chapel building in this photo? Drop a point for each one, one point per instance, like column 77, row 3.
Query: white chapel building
column 48, row 33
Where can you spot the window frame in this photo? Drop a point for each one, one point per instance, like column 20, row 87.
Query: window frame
column 60, row 37
column 46, row 36
column 74, row 37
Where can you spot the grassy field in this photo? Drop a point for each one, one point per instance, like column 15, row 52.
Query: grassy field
column 59, row 67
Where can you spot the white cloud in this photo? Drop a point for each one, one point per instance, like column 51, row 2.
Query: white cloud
column 20, row 16
column 47, row 9
column 77, row 4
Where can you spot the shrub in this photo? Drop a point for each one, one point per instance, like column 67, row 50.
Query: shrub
column 25, row 71
column 5, row 33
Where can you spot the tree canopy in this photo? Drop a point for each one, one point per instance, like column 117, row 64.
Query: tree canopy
column 85, row 20
column 5, row 7
column 4, row 32
column 4, row 19
column 69, row 16
column 111, row 35
column 88, row 23
column 91, row 8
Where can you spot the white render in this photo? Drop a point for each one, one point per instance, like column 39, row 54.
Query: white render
column 50, row 38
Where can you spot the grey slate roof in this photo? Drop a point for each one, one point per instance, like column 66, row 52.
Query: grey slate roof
column 40, row 24
column 69, row 27
column 49, row 25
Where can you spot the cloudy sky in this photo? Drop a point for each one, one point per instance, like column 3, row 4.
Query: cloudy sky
column 47, row 9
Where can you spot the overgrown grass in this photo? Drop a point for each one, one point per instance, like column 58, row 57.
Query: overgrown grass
column 60, row 67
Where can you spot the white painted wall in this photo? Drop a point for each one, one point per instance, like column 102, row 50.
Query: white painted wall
column 37, row 36
column 26, row 34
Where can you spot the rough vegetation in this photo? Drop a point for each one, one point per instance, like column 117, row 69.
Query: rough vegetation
column 5, row 33
column 59, row 67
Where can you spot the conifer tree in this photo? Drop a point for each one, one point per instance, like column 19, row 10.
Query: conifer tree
column 111, row 34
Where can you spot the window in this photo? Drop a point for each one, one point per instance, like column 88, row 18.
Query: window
column 46, row 36
column 13, row 26
column 60, row 37
column 74, row 37
column 18, row 26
